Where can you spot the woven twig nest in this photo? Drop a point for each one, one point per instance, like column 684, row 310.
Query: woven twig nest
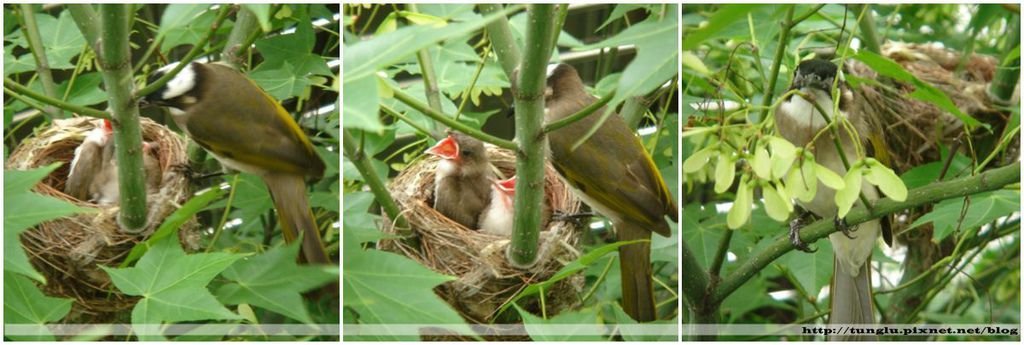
column 912, row 128
column 69, row 250
column 485, row 279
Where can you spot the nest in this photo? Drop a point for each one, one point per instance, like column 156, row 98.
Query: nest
column 485, row 280
column 913, row 129
column 68, row 251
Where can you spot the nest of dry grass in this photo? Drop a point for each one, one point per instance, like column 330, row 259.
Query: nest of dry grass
column 69, row 250
column 912, row 130
column 485, row 279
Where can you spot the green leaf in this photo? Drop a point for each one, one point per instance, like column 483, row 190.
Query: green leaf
column 697, row 160
column 568, row 270
column 24, row 209
column 656, row 60
column 886, row 180
column 619, row 11
column 387, row 288
column 923, row 91
column 282, row 82
column 362, row 104
column 262, row 14
column 518, row 24
column 740, row 211
column 173, row 285
column 983, row 209
column 461, row 12
column 173, row 223
column 846, row 197
column 85, row 91
column 723, row 17
column 725, row 173
column 61, row 39
column 802, row 180
column 1012, row 55
column 571, row 323
column 24, row 303
column 188, row 25
column 178, row 16
column 783, row 155
column 762, row 163
column 775, row 204
column 828, row 177
column 813, row 271
column 364, row 58
column 295, row 49
column 251, row 200
column 274, row 281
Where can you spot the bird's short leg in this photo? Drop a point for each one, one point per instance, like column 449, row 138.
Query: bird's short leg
column 847, row 230
column 794, row 234
column 192, row 174
column 574, row 218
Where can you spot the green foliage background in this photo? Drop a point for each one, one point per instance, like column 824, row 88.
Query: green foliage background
column 381, row 45
column 728, row 52
column 246, row 274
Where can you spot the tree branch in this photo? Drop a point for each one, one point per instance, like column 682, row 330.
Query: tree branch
column 115, row 59
column 35, row 45
column 80, row 110
column 529, row 105
column 987, row 181
column 412, row 102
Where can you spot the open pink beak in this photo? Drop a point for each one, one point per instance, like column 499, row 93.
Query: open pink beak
column 506, row 186
column 447, row 148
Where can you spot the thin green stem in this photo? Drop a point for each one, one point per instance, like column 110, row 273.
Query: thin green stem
column 579, row 115
column 35, row 45
column 13, row 88
column 409, row 100
column 224, row 215
column 499, row 33
column 530, row 157
column 115, row 60
column 235, row 49
column 362, row 163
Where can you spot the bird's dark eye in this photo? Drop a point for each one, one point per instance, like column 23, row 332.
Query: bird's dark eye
column 466, row 153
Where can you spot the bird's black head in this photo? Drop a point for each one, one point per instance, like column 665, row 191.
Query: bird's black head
column 178, row 93
column 815, row 73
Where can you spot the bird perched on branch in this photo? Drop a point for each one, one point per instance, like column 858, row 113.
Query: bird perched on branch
column 245, row 129
column 93, row 173
column 613, row 173
column 462, row 182
column 799, row 121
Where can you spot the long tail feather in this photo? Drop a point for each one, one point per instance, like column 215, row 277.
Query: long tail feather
column 289, row 195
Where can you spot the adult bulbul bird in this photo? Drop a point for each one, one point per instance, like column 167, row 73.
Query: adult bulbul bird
column 462, row 182
column 613, row 174
column 245, row 129
column 93, row 173
column 497, row 218
column 798, row 121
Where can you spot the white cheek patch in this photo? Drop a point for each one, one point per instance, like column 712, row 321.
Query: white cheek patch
column 175, row 111
column 551, row 69
column 804, row 113
column 182, row 83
